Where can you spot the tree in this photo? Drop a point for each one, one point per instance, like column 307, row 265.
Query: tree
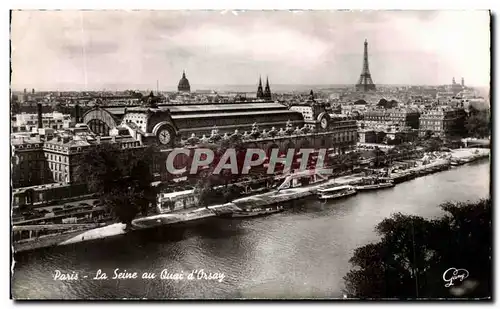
column 478, row 124
column 410, row 259
column 433, row 144
column 401, row 151
column 59, row 108
column 207, row 180
column 382, row 103
column 380, row 157
column 472, row 111
column 428, row 134
column 387, row 104
column 349, row 160
column 121, row 178
column 393, row 103
column 430, row 143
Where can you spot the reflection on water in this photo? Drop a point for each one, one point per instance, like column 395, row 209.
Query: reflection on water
column 302, row 252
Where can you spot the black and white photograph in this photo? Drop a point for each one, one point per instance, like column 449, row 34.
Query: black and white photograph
column 250, row 155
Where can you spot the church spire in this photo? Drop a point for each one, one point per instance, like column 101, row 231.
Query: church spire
column 260, row 93
column 267, row 91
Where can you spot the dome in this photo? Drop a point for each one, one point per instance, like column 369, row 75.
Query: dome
column 184, row 84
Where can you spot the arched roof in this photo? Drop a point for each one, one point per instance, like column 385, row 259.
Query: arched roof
column 100, row 114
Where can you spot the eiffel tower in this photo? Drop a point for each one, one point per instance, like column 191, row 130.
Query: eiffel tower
column 365, row 82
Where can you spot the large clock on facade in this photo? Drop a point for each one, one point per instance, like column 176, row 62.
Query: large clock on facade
column 324, row 123
column 164, row 136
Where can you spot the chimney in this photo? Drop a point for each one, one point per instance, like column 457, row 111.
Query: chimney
column 77, row 113
column 40, row 118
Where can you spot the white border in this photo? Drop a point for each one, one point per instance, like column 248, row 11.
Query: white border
column 257, row 4
column 188, row 4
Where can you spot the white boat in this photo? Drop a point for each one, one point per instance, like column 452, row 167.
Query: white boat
column 374, row 184
column 382, row 185
column 336, row 192
column 245, row 213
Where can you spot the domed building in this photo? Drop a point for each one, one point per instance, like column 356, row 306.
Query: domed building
column 184, row 84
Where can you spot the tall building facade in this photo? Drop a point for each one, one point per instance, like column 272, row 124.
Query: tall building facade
column 28, row 162
column 404, row 117
column 443, row 121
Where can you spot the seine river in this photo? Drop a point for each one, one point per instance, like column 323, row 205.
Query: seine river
column 302, row 252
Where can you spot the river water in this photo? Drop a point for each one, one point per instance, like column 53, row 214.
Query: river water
column 302, row 252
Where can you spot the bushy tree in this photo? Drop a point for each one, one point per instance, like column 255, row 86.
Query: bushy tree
column 413, row 254
column 387, row 104
column 205, row 188
column 478, row 123
column 380, row 157
column 431, row 143
column 121, row 178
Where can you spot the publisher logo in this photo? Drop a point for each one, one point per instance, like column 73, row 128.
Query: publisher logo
column 452, row 275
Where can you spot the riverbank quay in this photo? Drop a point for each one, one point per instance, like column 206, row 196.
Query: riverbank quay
column 466, row 155
column 260, row 200
column 440, row 162
column 66, row 231
column 184, row 216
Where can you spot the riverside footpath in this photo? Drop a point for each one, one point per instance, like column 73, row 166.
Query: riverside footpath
column 440, row 162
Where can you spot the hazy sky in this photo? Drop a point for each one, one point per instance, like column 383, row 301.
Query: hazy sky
column 131, row 49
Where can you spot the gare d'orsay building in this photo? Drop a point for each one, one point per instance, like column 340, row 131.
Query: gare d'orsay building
column 259, row 123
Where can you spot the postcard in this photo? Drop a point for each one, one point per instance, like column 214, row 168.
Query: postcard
column 250, row 155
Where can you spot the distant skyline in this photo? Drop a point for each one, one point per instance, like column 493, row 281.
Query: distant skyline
column 116, row 50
